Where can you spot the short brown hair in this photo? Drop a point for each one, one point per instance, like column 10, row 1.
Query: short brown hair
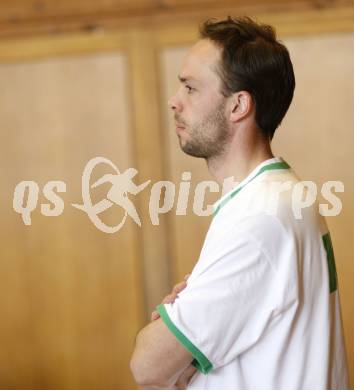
column 253, row 60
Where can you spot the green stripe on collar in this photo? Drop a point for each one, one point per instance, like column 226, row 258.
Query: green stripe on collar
column 269, row 167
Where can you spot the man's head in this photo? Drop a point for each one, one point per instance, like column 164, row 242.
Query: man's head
column 236, row 71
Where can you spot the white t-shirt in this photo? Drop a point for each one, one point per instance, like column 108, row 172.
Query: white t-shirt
column 261, row 309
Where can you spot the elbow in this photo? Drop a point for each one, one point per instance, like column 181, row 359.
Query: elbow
column 136, row 370
column 143, row 374
column 140, row 373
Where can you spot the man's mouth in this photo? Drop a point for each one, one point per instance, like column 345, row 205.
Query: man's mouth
column 180, row 128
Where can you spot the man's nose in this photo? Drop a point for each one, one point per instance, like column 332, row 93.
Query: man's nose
column 174, row 104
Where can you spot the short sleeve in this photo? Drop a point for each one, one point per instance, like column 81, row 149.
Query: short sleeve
column 228, row 306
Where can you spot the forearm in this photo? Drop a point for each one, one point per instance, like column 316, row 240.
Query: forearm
column 181, row 383
column 157, row 388
column 152, row 363
column 159, row 362
column 146, row 370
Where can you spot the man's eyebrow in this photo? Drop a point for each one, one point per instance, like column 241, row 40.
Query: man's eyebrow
column 185, row 79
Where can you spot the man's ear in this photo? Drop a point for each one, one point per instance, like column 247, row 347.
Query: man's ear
column 241, row 105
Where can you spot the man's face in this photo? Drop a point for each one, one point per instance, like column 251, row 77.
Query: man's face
column 198, row 105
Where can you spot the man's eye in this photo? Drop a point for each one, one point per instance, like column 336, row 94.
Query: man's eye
column 189, row 89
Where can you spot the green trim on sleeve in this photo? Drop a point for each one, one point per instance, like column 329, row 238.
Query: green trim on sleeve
column 200, row 362
column 333, row 283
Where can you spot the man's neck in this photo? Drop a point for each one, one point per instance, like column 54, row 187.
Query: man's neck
column 239, row 161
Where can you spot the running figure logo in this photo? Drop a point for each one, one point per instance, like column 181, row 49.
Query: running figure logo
column 122, row 185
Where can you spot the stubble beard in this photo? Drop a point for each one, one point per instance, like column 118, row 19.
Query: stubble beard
column 209, row 138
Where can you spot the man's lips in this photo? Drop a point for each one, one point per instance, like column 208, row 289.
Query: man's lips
column 180, row 126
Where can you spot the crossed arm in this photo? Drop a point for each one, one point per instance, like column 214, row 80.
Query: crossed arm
column 159, row 361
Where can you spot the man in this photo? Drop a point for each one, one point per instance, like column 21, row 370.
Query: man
column 260, row 310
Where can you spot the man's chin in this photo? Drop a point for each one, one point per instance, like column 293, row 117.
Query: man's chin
column 191, row 150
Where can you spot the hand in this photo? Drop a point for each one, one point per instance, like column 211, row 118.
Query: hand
column 171, row 297
column 185, row 377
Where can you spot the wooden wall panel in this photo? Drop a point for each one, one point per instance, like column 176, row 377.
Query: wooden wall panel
column 70, row 300
column 148, row 145
column 24, row 9
column 21, row 18
column 230, row 3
